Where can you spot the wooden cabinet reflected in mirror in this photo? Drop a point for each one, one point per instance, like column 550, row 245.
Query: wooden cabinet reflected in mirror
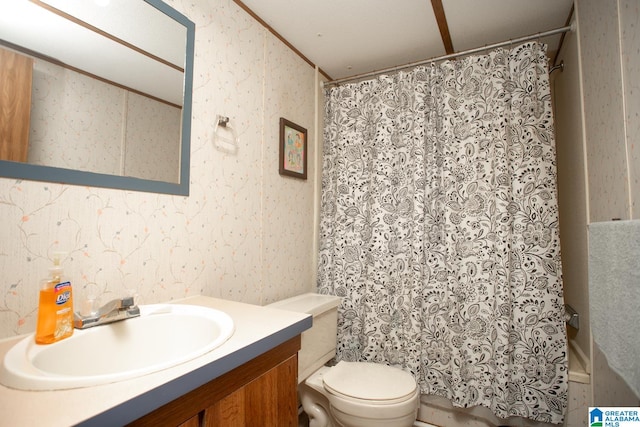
column 15, row 105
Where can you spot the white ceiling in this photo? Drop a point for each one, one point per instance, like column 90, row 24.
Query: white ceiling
column 350, row 37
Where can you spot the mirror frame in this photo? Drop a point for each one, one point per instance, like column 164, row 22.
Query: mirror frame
column 29, row 172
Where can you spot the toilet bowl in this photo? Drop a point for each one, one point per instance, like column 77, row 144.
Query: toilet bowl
column 360, row 394
column 349, row 394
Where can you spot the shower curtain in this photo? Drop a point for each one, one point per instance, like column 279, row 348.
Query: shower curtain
column 439, row 230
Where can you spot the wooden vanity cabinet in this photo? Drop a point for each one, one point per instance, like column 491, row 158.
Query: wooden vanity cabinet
column 261, row 393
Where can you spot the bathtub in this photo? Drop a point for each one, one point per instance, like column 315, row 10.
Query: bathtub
column 435, row 410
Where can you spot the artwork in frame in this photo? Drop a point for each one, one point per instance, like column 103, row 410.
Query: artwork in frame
column 293, row 149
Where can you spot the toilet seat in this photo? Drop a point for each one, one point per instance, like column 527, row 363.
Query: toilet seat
column 369, row 383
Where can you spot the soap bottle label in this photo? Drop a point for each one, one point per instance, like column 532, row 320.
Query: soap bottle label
column 63, row 293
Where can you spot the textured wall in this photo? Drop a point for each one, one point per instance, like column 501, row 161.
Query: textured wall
column 244, row 233
column 572, row 188
column 610, row 58
column 603, row 110
column 629, row 12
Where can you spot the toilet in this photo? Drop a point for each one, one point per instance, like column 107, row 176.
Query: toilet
column 349, row 394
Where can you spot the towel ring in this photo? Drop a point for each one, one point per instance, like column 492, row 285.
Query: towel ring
column 225, row 138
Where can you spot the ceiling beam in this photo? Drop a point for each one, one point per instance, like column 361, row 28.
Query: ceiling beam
column 441, row 19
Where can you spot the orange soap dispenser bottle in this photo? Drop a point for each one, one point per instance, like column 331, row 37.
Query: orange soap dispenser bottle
column 55, row 308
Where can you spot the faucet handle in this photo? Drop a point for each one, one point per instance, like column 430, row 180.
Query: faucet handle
column 127, row 302
column 88, row 306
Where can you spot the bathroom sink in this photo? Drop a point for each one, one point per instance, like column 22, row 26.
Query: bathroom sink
column 164, row 336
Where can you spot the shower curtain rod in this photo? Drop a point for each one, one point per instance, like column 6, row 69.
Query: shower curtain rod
column 449, row 56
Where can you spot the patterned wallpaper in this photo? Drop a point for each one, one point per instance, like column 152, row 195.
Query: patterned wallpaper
column 78, row 122
column 72, row 114
column 152, row 130
column 245, row 233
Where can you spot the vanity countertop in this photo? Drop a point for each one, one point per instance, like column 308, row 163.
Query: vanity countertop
column 257, row 330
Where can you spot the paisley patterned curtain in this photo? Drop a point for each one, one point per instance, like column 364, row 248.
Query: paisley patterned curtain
column 439, row 230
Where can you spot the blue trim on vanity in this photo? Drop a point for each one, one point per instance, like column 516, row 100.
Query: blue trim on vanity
column 139, row 406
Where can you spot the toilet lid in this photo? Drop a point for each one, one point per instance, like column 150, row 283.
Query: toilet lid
column 369, row 381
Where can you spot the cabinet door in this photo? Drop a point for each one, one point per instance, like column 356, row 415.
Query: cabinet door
column 192, row 422
column 263, row 393
column 268, row 401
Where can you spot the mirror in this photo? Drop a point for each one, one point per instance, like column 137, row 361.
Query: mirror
column 110, row 85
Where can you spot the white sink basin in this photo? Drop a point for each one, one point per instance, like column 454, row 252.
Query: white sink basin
column 164, row 335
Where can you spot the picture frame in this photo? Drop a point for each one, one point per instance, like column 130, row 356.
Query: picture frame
column 293, row 149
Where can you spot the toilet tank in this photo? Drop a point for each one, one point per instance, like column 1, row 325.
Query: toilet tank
column 319, row 342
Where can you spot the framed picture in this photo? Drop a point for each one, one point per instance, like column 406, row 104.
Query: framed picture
column 293, row 149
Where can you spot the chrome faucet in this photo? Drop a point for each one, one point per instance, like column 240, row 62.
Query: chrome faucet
column 113, row 311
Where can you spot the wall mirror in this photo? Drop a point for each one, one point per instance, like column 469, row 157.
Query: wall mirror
column 99, row 93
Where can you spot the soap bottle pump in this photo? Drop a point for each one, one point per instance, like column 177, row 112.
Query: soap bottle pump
column 55, row 308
